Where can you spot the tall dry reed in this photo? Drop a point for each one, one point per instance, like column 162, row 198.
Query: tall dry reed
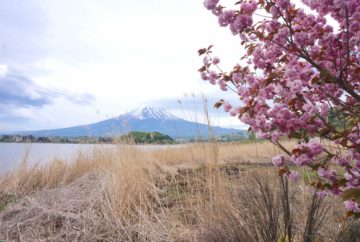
column 199, row 192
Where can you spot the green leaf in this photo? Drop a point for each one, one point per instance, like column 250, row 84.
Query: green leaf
column 296, row 135
column 327, row 77
column 306, row 138
column 352, row 193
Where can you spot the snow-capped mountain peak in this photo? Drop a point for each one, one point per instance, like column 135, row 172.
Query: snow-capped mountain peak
column 151, row 113
column 146, row 119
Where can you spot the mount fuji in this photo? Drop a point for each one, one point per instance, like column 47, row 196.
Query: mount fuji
column 146, row 119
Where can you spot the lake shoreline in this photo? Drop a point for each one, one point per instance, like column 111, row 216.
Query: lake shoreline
column 13, row 154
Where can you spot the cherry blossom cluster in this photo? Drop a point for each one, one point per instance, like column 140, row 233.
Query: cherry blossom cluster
column 299, row 78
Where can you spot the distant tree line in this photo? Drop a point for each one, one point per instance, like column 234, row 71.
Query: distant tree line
column 148, row 138
column 131, row 137
column 33, row 139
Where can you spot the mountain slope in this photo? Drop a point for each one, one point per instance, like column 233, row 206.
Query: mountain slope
column 145, row 120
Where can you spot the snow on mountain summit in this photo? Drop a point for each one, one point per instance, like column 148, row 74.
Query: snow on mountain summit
column 146, row 119
column 150, row 112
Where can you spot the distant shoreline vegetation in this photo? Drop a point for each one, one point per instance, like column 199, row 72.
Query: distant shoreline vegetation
column 133, row 137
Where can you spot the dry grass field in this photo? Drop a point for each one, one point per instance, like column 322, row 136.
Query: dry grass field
column 198, row 192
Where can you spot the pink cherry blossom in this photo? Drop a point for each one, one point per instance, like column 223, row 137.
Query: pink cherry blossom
column 293, row 176
column 204, row 76
column 248, row 8
column 351, row 205
column 216, row 60
column 279, row 160
column 227, row 107
column 299, row 77
column 210, row 4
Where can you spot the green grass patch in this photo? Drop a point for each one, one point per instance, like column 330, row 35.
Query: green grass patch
column 2, row 207
column 5, row 199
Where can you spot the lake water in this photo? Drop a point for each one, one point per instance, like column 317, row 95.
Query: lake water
column 12, row 154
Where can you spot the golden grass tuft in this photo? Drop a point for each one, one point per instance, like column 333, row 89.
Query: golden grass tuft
column 198, row 192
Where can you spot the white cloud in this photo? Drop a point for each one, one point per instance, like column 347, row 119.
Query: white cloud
column 124, row 53
column 3, row 70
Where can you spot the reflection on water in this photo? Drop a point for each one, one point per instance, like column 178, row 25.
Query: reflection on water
column 12, row 154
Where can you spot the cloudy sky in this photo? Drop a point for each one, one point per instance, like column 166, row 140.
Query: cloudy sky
column 70, row 62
